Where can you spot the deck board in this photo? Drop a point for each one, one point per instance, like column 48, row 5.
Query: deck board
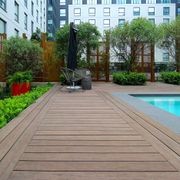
column 87, row 135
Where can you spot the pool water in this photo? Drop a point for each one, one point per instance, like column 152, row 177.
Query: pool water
column 168, row 103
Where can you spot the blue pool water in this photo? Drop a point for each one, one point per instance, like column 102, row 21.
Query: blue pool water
column 169, row 103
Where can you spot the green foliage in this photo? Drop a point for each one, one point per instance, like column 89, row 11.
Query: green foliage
column 127, row 40
column 132, row 78
column 11, row 107
column 62, row 79
column 171, row 77
column 62, row 38
column 36, row 36
column 19, row 77
column 22, row 55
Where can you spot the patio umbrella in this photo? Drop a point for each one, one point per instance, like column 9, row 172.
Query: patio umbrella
column 72, row 49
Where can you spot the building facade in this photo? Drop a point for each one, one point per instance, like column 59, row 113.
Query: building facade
column 22, row 16
column 53, row 17
column 107, row 14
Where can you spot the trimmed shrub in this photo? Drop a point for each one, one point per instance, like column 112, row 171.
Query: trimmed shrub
column 132, row 78
column 171, row 77
column 11, row 107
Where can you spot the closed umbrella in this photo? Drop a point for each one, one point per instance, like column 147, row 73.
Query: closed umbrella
column 72, row 48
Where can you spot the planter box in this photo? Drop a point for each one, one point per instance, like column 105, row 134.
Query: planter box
column 20, row 88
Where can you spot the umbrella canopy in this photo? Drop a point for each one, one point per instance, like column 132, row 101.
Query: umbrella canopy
column 72, row 49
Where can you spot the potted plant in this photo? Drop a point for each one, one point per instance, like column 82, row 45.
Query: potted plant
column 20, row 82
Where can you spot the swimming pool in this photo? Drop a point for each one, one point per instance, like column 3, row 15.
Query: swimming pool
column 169, row 103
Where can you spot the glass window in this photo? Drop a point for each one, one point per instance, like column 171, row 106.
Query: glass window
column 3, row 4
column 165, row 56
column 32, row 8
column 121, row 22
column 62, row 23
column 106, row 11
column 136, row 1
column 151, row 11
column 25, row 21
column 106, row 1
column 26, row 3
column 77, row 2
column 62, row 12
column 152, row 20
column 16, row 14
column 178, row 11
column 41, row 6
column 106, row 22
column 37, row 2
column 92, row 21
column 99, row 1
column 121, row 1
column 92, row 11
column 121, row 11
column 166, row 20
column 136, row 11
column 77, row 21
column 32, row 26
column 41, row 22
column 37, row 16
column 62, row 2
column 2, row 26
column 91, row 2
column 77, row 11
column 166, row 10
column 150, row 2
column 16, row 32
column 165, row 1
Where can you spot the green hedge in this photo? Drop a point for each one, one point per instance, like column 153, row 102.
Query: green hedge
column 171, row 77
column 11, row 107
column 132, row 78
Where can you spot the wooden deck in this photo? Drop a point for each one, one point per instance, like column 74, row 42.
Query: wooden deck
column 88, row 136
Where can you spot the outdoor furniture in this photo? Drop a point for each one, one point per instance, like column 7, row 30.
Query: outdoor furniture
column 73, row 79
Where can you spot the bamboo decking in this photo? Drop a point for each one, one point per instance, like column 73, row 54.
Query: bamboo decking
column 86, row 136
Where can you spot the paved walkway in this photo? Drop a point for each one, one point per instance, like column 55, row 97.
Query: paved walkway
column 88, row 136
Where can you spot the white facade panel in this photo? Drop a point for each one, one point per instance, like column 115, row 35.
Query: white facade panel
column 9, row 17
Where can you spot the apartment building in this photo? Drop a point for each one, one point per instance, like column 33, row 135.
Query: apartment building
column 22, row 16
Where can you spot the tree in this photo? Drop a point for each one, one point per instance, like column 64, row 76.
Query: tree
column 22, row 55
column 88, row 39
column 128, row 40
column 170, row 40
column 36, row 36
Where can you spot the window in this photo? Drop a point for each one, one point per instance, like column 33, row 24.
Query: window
column 41, row 6
column 37, row 16
column 25, row 21
column 165, row 1
column 121, row 22
column 50, row 21
column 77, row 2
column 106, row 1
column 77, row 21
column 121, row 11
column 92, row 11
column 84, row 1
column 77, row 12
column 166, row 10
column 152, row 20
column 99, row 1
column 16, row 32
column 44, row 24
column 3, row 4
column 106, row 11
column 91, row 2
column 165, row 56
column 151, row 11
column 37, row 2
column 106, row 22
column 136, row 1
column 92, row 21
column 32, row 26
column 32, row 8
column 150, row 2
column 41, row 22
column 121, row 1
column 26, row 3
column 136, row 11
column 178, row 11
column 62, row 23
column 166, row 20
column 62, row 12
column 62, row 2
column 16, row 14
column 2, row 26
